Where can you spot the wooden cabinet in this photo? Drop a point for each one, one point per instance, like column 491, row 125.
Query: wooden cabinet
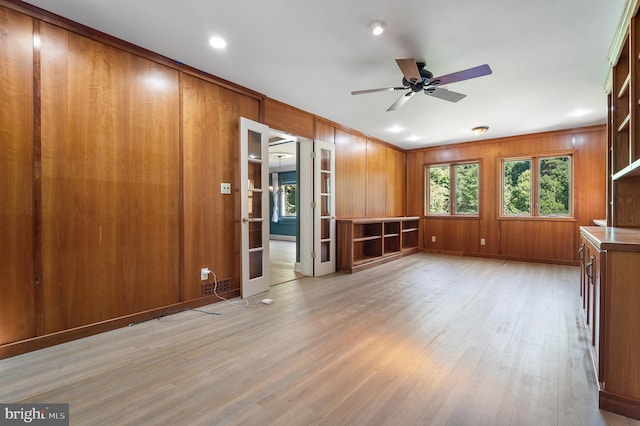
column 364, row 243
column 610, row 290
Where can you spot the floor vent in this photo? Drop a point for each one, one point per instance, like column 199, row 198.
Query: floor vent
column 209, row 289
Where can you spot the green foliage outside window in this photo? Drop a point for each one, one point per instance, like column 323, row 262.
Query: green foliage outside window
column 462, row 189
column 517, row 187
column 467, row 188
column 439, row 181
column 288, row 200
column 555, row 179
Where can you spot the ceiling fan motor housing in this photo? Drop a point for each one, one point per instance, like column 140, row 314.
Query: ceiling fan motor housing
column 419, row 85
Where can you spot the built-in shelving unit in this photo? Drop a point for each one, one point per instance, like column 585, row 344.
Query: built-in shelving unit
column 364, row 243
column 624, row 131
column 610, row 255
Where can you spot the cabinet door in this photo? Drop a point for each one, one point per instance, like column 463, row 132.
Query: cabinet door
column 594, row 272
column 597, row 284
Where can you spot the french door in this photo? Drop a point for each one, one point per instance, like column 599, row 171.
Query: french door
column 254, row 193
column 324, row 212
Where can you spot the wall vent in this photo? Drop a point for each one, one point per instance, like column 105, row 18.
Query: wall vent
column 210, row 289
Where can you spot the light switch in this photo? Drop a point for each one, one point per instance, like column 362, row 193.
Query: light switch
column 225, row 188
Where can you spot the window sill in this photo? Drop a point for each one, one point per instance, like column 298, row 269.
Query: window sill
column 539, row 218
column 452, row 216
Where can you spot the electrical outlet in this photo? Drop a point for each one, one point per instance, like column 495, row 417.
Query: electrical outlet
column 433, row 238
column 482, row 241
column 225, row 188
column 204, row 273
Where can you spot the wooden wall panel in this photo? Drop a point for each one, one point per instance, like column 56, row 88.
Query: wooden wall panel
column 110, row 182
column 17, row 320
column 351, row 175
column 542, row 240
column 376, row 186
column 627, row 203
column 459, row 236
column 211, row 149
column 279, row 116
column 508, row 237
column 395, row 185
column 325, row 132
column 414, row 184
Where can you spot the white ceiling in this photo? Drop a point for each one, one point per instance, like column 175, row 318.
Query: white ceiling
column 549, row 57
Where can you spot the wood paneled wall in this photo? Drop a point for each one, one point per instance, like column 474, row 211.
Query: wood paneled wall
column 17, row 286
column 111, row 164
column 110, row 181
column 552, row 240
column 370, row 177
column 370, row 174
column 288, row 119
column 110, row 187
column 211, row 152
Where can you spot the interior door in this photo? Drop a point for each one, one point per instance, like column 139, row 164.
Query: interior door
column 254, row 193
column 324, row 215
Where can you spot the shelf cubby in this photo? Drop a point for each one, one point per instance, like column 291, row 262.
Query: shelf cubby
column 366, row 242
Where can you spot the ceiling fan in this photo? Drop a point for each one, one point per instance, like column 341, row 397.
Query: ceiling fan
column 417, row 79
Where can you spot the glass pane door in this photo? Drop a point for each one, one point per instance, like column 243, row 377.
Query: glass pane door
column 324, row 215
column 254, row 169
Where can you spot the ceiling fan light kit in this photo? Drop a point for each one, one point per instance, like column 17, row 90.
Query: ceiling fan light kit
column 418, row 79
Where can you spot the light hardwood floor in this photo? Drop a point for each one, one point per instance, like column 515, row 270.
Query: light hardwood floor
column 282, row 259
column 426, row 339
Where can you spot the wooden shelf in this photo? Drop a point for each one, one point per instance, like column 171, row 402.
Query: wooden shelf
column 625, row 123
column 367, row 242
column 371, row 238
column 631, row 170
column 625, row 86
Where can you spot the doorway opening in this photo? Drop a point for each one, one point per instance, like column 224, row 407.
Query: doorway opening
column 284, row 202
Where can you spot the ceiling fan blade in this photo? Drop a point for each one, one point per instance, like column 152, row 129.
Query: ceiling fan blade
column 474, row 72
column 386, row 89
column 441, row 93
column 409, row 69
column 401, row 101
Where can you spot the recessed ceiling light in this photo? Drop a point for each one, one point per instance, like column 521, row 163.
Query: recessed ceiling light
column 377, row 27
column 396, row 129
column 413, row 138
column 217, row 42
column 580, row 112
column 480, row 130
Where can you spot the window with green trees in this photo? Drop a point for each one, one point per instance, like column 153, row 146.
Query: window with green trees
column 549, row 176
column 452, row 189
column 288, row 200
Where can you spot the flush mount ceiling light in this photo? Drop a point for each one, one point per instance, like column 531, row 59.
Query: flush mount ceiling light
column 480, row 130
column 217, row 42
column 377, row 27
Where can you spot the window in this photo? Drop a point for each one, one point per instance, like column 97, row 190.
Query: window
column 452, row 196
column 439, row 190
column 288, row 200
column 536, row 186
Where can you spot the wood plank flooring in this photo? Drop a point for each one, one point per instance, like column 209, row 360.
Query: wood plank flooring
column 282, row 259
column 424, row 340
